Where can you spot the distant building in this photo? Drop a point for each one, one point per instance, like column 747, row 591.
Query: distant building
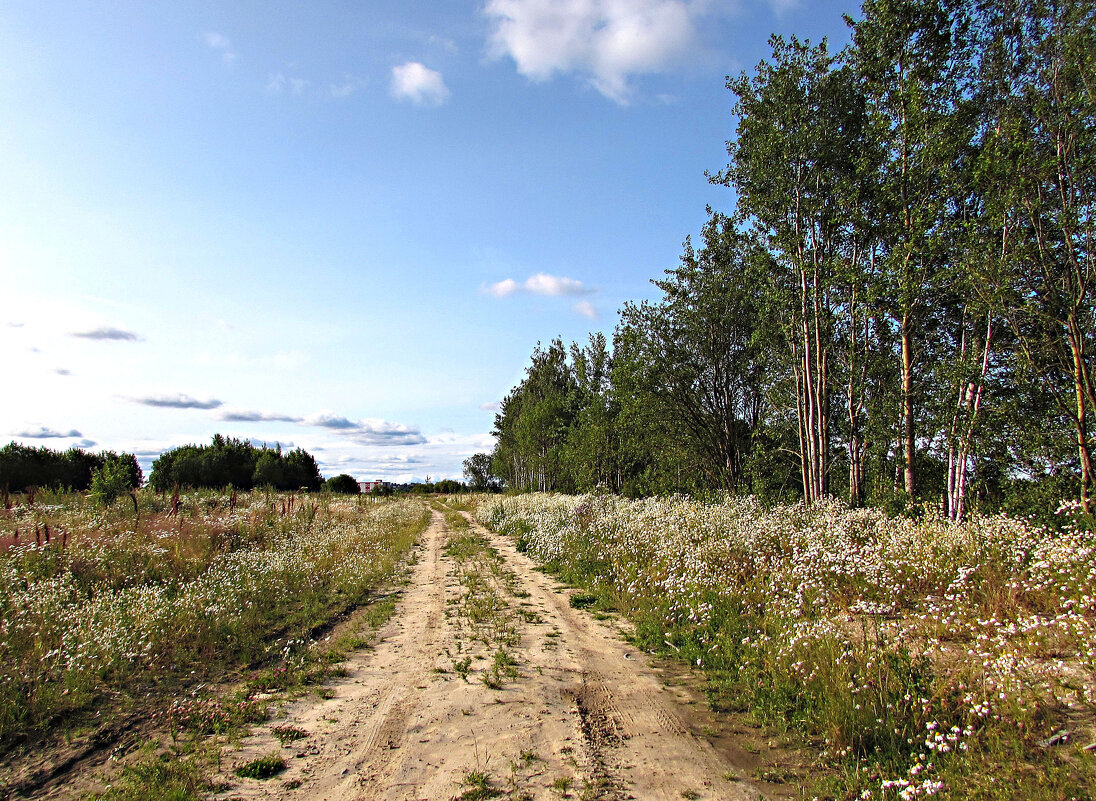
column 367, row 486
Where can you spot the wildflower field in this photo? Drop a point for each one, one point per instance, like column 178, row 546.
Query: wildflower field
column 913, row 658
column 101, row 606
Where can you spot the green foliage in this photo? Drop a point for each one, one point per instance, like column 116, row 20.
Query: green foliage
column 230, row 462
column 343, row 484
column 159, row 777
column 23, row 467
column 213, row 582
column 113, row 479
column 477, row 470
column 265, row 767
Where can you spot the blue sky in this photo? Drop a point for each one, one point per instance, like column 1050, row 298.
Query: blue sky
column 343, row 225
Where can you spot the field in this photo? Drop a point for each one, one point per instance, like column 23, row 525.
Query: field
column 111, row 615
column 916, row 657
column 539, row 647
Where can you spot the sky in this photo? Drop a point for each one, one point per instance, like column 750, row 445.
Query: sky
column 343, row 226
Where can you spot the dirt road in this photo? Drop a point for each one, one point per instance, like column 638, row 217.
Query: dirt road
column 581, row 714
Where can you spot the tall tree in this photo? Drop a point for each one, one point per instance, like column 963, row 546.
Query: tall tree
column 911, row 57
column 695, row 352
column 1039, row 173
column 800, row 129
column 532, row 425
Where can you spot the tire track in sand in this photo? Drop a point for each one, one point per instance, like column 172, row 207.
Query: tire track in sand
column 586, row 715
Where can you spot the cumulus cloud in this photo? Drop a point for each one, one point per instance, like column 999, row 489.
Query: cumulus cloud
column 178, row 401
column 539, row 284
column 493, row 406
column 604, row 41
column 419, row 84
column 220, row 43
column 251, row 416
column 62, row 371
column 328, row 420
column 41, row 432
column 107, row 332
column 503, row 288
column 586, row 309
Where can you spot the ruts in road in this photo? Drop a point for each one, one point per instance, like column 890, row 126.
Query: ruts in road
column 485, row 683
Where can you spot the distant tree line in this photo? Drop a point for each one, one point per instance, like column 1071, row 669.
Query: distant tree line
column 23, row 467
column 236, row 463
column 900, row 308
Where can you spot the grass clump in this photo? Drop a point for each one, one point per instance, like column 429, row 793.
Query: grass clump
column 288, row 734
column 159, row 777
column 265, row 767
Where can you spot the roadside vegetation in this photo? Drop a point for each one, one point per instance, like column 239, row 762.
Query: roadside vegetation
column 105, row 610
column 915, row 658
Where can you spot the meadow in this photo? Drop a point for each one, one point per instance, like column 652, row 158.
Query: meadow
column 104, row 608
column 912, row 658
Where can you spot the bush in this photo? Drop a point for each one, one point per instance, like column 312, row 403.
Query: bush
column 343, row 484
column 110, row 481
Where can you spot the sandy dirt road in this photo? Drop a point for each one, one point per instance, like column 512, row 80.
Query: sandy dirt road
column 585, row 716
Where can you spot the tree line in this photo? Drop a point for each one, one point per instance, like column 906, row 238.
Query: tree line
column 898, row 310
column 24, row 468
column 228, row 461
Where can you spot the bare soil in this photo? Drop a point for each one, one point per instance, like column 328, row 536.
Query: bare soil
column 587, row 716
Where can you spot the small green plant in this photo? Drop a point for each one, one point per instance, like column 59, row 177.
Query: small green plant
column 562, row 785
column 264, row 767
column 156, row 776
column 288, row 734
column 479, row 786
column 583, row 600
column 462, row 666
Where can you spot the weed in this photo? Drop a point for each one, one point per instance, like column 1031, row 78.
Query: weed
column 462, row 667
column 583, row 600
column 160, row 776
column 288, row 734
column 264, row 767
column 479, row 787
column 562, row 785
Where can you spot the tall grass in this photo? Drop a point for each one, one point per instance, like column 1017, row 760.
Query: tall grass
column 137, row 594
column 917, row 657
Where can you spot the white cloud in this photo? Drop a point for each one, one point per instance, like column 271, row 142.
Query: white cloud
column 419, row 84
column 586, row 309
column 492, row 406
column 371, row 431
column 41, row 432
column 604, row 41
column 252, row 416
column 278, row 83
column 539, row 284
column 221, row 43
column 348, row 86
column 177, row 401
column 108, row 332
column 503, row 288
